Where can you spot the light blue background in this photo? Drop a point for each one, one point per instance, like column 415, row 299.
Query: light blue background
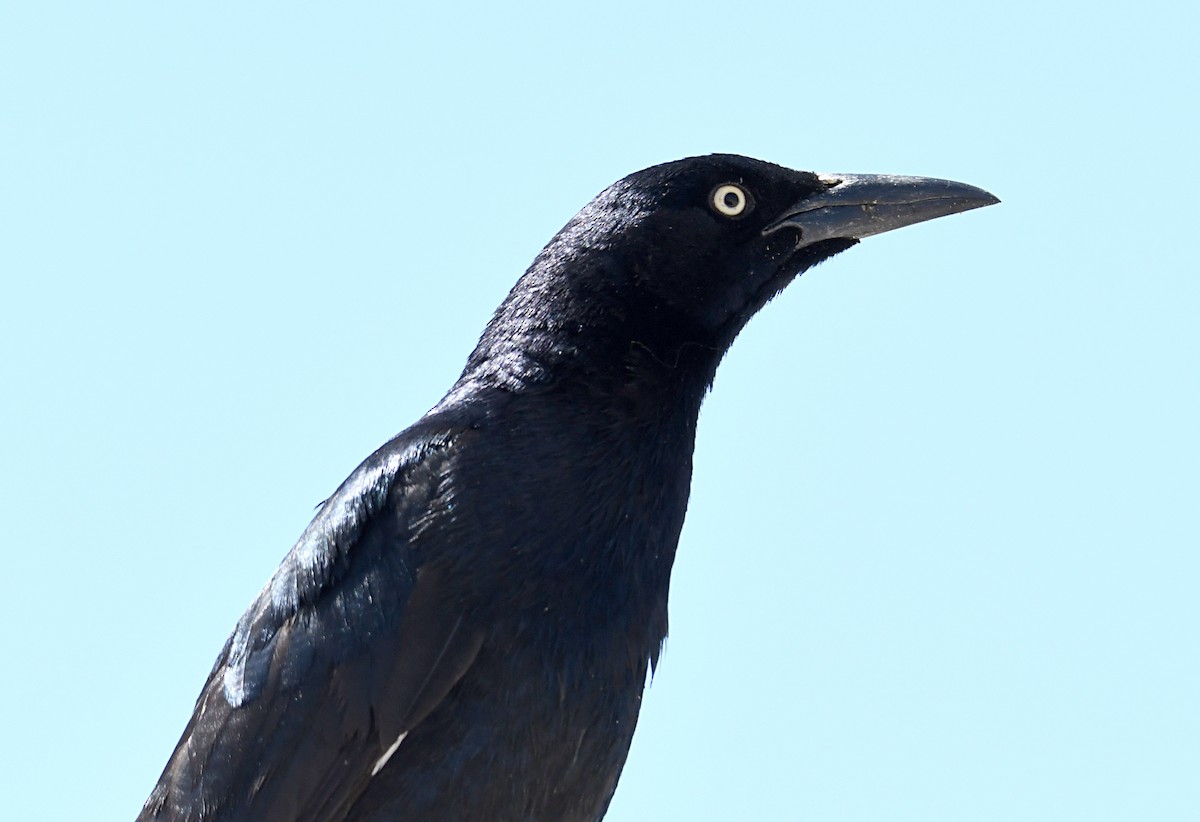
column 941, row 558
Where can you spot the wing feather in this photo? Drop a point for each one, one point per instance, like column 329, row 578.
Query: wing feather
column 351, row 642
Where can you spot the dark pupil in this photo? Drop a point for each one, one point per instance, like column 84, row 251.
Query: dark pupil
column 731, row 199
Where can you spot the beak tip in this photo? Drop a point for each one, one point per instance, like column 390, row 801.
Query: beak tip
column 988, row 198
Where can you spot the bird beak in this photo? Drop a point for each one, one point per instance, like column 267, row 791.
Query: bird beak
column 859, row 205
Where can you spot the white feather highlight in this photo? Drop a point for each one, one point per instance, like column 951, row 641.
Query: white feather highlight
column 383, row 760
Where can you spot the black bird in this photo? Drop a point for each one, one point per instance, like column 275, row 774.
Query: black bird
column 464, row 629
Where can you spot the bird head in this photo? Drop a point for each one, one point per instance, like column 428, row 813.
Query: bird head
column 679, row 256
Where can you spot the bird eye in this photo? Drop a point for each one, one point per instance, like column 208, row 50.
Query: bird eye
column 730, row 200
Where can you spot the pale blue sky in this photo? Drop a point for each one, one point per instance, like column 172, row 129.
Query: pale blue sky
column 941, row 560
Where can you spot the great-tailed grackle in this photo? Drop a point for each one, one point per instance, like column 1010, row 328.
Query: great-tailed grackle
column 464, row 630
